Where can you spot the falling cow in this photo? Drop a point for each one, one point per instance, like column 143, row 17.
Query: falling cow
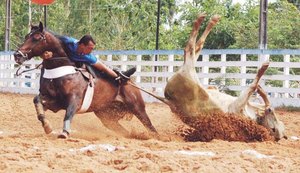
column 213, row 114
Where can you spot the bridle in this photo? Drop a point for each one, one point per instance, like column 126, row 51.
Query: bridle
column 24, row 71
column 42, row 38
column 25, row 55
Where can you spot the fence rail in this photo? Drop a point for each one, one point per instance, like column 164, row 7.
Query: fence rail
column 231, row 69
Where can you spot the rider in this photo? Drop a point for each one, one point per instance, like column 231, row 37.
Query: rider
column 80, row 51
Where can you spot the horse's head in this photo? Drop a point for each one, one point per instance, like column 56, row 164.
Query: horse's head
column 272, row 123
column 33, row 45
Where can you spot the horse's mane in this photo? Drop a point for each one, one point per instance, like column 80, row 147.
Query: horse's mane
column 59, row 38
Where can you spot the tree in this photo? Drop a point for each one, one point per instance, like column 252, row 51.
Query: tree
column 2, row 23
column 131, row 24
column 295, row 2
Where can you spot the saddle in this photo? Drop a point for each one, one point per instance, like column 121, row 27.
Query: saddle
column 89, row 73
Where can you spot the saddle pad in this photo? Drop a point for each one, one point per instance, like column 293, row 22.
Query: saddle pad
column 58, row 72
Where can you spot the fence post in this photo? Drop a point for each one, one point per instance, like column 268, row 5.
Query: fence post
column 223, row 69
column 243, row 68
column 286, row 72
column 109, row 58
column 12, row 67
column 205, row 58
column 170, row 67
column 138, row 68
column 123, row 59
column 2, row 68
column 154, row 79
column 263, row 57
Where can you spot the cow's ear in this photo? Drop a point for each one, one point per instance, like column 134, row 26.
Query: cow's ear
column 41, row 27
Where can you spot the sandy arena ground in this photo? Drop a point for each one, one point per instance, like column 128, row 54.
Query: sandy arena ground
column 93, row 148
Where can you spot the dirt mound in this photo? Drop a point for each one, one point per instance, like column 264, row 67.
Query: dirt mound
column 223, row 126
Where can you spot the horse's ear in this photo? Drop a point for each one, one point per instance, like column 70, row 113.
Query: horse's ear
column 41, row 27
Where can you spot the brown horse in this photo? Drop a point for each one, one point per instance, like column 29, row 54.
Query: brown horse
column 63, row 87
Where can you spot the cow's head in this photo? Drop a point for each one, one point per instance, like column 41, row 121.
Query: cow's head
column 272, row 123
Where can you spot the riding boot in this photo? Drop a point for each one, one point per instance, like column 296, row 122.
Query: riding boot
column 129, row 72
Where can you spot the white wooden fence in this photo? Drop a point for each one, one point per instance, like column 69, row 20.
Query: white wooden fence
column 231, row 69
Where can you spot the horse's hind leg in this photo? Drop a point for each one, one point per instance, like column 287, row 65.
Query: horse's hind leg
column 41, row 114
column 111, row 123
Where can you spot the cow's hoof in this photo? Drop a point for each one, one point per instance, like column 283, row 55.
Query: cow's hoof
column 47, row 127
column 63, row 135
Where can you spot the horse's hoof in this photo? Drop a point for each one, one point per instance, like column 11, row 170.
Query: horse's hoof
column 63, row 135
column 47, row 127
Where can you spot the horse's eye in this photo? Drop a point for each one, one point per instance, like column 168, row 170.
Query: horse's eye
column 273, row 130
column 34, row 39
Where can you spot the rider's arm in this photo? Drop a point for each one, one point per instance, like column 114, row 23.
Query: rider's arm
column 89, row 58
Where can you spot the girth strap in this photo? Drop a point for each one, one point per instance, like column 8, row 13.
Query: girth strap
column 88, row 97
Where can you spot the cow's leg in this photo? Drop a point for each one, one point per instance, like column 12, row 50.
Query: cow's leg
column 241, row 101
column 41, row 114
column 189, row 49
column 70, row 112
column 199, row 45
column 192, row 49
column 264, row 96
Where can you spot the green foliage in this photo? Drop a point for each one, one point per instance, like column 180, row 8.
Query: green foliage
column 2, row 23
column 295, row 2
column 131, row 24
column 284, row 24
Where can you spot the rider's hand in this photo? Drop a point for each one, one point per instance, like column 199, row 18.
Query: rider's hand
column 47, row 55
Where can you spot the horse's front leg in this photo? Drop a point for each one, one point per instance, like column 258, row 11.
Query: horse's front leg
column 70, row 112
column 41, row 114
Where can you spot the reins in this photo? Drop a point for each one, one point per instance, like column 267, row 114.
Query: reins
column 24, row 71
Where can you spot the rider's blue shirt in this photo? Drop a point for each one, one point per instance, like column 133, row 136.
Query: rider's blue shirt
column 72, row 45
